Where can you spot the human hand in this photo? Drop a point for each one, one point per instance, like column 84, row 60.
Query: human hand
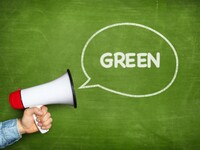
column 27, row 125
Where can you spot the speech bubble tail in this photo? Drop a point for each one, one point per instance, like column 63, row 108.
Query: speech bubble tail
column 85, row 85
column 81, row 87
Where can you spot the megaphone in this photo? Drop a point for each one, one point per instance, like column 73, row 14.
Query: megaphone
column 58, row 91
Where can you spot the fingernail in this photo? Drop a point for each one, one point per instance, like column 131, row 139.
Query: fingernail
column 40, row 124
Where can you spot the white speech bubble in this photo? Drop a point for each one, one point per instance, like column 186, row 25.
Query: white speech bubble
column 83, row 86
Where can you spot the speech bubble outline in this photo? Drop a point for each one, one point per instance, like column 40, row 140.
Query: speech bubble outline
column 84, row 85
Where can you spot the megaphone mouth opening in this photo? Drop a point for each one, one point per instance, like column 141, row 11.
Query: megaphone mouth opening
column 72, row 87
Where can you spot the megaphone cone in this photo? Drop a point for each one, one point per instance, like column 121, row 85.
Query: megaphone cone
column 58, row 91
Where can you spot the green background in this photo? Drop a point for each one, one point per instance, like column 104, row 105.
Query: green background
column 39, row 40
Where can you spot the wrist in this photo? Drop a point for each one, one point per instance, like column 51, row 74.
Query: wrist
column 20, row 126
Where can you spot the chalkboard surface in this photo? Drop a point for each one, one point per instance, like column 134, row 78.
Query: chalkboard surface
column 40, row 40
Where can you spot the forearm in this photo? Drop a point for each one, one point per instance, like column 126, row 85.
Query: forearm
column 9, row 133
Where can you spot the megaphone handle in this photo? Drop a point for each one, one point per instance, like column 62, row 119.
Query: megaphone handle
column 39, row 128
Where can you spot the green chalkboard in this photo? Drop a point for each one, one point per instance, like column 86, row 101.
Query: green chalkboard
column 40, row 40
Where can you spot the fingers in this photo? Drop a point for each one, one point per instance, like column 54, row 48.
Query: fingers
column 44, row 109
column 45, row 120
column 47, row 124
column 45, row 114
column 46, row 127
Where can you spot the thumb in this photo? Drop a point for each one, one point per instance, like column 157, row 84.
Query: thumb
column 33, row 110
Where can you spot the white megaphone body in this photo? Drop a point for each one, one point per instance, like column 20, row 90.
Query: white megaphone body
column 58, row 91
